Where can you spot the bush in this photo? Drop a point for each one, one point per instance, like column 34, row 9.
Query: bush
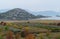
column 23, row 34
column 55, row 30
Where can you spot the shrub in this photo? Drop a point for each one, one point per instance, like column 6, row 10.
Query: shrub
column 9, row 35
column 30, row 36
column 55, row 30
column 41, row 36
column 17, row 36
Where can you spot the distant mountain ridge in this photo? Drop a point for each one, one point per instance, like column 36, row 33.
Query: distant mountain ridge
column 3, row 10
column 46, row 13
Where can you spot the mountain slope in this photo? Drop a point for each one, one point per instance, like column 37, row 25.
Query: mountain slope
column 16, row 14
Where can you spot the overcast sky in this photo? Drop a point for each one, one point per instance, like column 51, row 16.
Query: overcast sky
column 33, row 5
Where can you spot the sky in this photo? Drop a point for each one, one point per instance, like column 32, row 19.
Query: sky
column 33, row 5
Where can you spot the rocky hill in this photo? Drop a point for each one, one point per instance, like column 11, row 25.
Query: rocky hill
column 16, row 14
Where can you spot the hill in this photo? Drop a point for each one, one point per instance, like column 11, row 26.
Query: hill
column 16, row 14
